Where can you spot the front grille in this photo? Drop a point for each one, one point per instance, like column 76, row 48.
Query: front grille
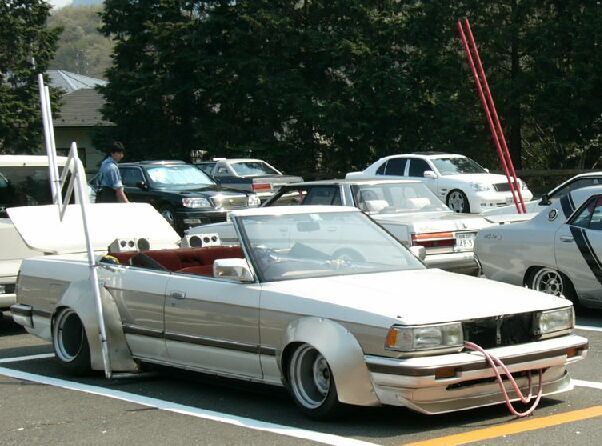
column 503, row 187
column 230, row 202
column 500, row 331
column 9, row 288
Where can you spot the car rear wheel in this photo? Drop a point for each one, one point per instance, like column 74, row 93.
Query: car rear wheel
column 551, row 281
column 70, row 343
column 457, row 202
column 311, row 383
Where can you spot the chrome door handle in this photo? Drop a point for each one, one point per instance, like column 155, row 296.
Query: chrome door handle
column 566, row 238
column 177, row 294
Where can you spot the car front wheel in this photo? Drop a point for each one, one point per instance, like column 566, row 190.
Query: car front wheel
column 168, row 214
column 70, row 343
column 551, row 281
column 311, row 383
column 457, row 202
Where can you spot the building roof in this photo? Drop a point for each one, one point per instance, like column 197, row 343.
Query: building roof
column 71, row 82
column 81, row 109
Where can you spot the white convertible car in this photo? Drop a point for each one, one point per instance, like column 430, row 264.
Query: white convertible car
column 558, row 252
column 291, row 307
column 458, row 181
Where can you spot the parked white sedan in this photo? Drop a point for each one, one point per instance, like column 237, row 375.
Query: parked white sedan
column 552, row 253
column 291, row 307
column 458, row 181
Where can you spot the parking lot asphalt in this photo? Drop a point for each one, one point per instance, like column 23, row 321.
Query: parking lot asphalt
column 41, row 405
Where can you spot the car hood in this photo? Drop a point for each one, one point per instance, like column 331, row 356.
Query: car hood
column 487, row 178
column 423, row 222
column 409, row 297
column 41, row 229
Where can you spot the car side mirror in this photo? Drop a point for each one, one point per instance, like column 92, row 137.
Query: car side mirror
column 545, row 200
column 233, row 269
column 142, row 185
column 430, row 174
column 419, row 251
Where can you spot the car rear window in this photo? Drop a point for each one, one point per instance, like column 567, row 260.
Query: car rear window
column 253, row 168
column 23, row 186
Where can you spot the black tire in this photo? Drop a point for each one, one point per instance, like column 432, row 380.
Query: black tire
column 311, row 384
column 168, row 214
column 70, row 343
column 456, row 200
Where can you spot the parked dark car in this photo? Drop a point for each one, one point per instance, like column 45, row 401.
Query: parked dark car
column 247, row 174
column 182, row 193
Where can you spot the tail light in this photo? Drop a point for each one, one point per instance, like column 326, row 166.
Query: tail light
column 434, row 239
column 262, row 187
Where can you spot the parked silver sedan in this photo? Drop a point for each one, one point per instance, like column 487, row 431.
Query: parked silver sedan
column 558, row 252
column 318, row 299
column 406, row 208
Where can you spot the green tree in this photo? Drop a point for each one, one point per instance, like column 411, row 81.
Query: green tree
column 81, row 48
column 24, row 38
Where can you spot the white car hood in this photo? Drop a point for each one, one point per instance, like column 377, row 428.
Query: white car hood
column 415, row 297
column 41, row 229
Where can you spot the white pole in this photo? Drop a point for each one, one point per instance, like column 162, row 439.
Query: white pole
column 83, row 203
column 48, row 141
column 55, row 167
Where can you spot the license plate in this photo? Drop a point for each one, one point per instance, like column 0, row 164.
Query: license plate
column 465, row 241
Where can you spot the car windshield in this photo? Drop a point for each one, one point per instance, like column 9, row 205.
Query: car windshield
column 455, row 166
column 253, row 168
column 23, row 186
column 181, row 175
column 321, row 244
column 390, row 198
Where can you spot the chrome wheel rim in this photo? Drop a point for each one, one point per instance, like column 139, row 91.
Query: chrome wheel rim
column 456, row 201
column 309, row 376
column 68, row 336
column 549, row 281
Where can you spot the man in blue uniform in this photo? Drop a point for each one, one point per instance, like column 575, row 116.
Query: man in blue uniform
column 110, row 186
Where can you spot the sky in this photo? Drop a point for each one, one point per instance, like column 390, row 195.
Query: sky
column 59, row 3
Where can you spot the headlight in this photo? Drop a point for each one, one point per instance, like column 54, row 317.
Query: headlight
column 480, row 187
column 425, row 337
column 196, row 203
column 254, row 201
column 551, row 321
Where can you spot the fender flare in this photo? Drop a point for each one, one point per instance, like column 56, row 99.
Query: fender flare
column 342, row 352
column 80, row 298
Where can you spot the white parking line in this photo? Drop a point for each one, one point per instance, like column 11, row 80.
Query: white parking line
column 581, row 383
column 249, row 423
column 26, row 358
column 588, row 327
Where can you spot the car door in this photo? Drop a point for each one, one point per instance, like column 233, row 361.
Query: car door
column 416, row 171
column 135, row 184
column 578, row 249
column 140, row 296
column 213, row 324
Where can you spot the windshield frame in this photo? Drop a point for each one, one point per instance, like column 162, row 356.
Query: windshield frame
column 246, row 246
column 463, row 159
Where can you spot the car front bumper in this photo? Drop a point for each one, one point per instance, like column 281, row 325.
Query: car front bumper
column 188, row 219
column 482, row 201
column 412, row 383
